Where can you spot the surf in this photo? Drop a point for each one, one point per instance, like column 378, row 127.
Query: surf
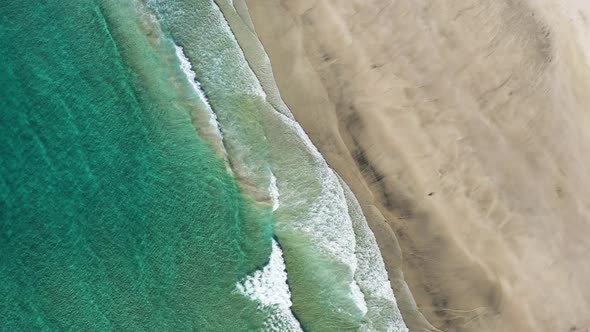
column 270, row 153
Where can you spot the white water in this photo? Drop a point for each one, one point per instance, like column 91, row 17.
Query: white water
column 270, row 289
column 313, row 202
column 358, row 297
column 187, row 68
column 338, row 227
column 371, row 275
column 327, row 220
column 274, row 192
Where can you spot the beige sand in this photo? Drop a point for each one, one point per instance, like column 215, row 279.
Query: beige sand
column 463, row 126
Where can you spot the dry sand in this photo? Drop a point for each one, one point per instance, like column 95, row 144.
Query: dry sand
column 464, row 129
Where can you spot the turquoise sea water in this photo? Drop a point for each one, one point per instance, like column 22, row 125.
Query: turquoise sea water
column 148, row 183
column 114, row 214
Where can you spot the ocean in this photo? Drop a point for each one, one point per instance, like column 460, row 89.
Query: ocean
column 150, row 180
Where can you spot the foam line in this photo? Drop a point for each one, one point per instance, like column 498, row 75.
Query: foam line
column 187, row 68
column 269, row 288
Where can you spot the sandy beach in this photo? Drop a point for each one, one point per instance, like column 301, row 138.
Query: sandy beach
column 462, row 128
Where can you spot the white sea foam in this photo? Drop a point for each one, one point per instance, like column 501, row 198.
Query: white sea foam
column 371, row 275
column 274, row 192
column 187, row 68
column 358, row 297
column 328, row 222
column 338, row 228
column 321, row 209
column 270, row 289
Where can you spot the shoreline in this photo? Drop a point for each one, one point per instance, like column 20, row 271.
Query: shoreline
column 330, row 201
column 447, row 135
column 384, row 234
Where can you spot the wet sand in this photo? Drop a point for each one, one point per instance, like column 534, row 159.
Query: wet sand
column 463, row 129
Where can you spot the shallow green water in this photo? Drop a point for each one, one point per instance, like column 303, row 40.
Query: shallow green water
column 114, row 214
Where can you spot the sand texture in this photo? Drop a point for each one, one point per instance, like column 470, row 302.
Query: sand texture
column 463, row 128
